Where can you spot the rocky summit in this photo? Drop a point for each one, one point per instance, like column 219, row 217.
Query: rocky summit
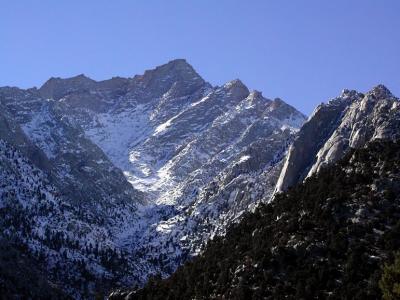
column 348, row 121
column 105, row 183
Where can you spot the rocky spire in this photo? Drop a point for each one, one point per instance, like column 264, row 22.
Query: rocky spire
column 381, row 92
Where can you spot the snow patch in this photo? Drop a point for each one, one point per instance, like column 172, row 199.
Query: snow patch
column 244, row 158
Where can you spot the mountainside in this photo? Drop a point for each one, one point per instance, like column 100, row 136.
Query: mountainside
column 326, row 238
column 120, row 179
column 77, row 166
column 348, row 121
column 187, row 136
column 70, row 245
column 107, row 183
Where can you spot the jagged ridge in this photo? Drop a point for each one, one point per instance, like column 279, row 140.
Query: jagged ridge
column 174, row 138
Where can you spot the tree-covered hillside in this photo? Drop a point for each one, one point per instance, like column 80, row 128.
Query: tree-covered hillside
column 327, row 238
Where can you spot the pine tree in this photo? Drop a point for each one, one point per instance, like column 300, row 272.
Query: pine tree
column 390, row 280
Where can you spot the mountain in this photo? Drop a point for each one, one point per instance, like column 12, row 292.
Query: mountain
column 117, row 180
column 105, row 184
column 348, row 121
column 175, row 137
column 352, row 120
column 326, row 238
column 68, row 241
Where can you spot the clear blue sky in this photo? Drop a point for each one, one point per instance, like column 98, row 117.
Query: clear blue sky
column 302, row 51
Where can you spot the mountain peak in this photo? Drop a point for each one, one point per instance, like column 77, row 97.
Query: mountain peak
column 255, row 94
column 348, row 93
column 345, row 98
column 381, row 92
column 78, row 78
column 82, row 77
column 283, row 109
column 177, row 67
column 178, row 62
column 57, row 87
column 234, row 83
column 236, row 87
column 279, row 103
column 176, row 73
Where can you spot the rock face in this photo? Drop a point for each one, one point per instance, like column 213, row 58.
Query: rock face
column 222, row 172
column 176, row 138
column 349, row 121
column 139, row 172
column 326, row 238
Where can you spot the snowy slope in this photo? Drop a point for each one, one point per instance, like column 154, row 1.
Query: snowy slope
column 69, row 243
column 184, row 139
column 159, row 163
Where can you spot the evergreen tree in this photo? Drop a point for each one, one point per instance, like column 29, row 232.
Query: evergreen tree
column 390, row 280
